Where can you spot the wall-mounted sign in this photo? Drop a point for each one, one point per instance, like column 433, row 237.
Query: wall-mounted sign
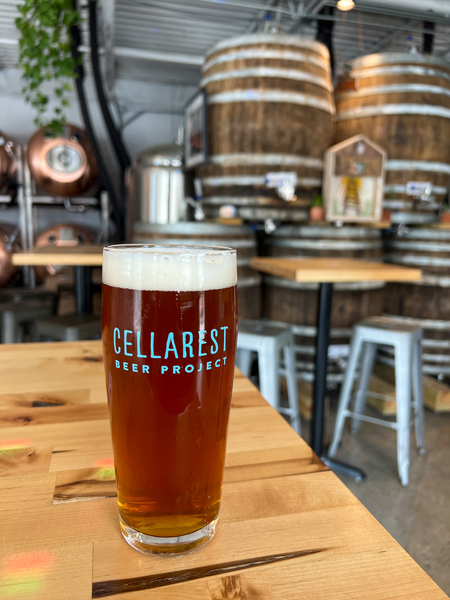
column 354, row 178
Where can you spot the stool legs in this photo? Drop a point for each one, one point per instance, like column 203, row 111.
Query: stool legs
column 403, row 364
column 268, row 374
column 244, row 361
column 418, row 396
column 367, row 360
column 10, row 328
column 346, row 392
column 291, row 381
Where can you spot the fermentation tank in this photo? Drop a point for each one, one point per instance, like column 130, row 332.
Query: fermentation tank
column 155, row 187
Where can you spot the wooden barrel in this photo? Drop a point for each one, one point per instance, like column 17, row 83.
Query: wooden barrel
column 270, row 110
column 402, row 102
column 425, row 303
column 242, row 238
column 345, row 242
column 296, row 303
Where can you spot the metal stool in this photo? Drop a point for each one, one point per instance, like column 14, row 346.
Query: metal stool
column 406, row 340
column 15, row 315
column 25, row 294
column 267, row 341
column 69, row 328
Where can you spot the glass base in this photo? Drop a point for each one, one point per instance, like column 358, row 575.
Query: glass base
column 183, row 544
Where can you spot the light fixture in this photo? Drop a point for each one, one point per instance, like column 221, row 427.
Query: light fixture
column 345, row 4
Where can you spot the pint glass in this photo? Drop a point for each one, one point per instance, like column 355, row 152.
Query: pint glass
column 169, row 329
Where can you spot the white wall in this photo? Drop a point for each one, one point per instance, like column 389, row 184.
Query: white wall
column 16, row 117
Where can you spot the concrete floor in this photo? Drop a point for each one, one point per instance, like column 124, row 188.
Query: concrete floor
column 417, row 516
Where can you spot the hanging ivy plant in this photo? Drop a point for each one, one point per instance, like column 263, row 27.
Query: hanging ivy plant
column 45, row 56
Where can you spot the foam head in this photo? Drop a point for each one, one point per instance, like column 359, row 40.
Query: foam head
column 169, row 268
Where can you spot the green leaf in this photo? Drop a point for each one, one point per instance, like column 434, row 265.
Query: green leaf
column 65, row 102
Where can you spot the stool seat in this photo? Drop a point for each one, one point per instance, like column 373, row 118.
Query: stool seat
column 268, row 340
column 406, row 341
column 387, row 324
column 68, row 328
column 261, row 329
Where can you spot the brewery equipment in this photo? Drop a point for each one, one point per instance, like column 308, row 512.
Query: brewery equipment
column 64, row 234
column 155, row 187
column 62, row 165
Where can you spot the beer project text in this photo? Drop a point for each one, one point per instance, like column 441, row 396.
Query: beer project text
column 183, row 345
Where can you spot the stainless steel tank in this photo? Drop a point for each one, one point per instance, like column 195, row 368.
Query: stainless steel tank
column 155, row 188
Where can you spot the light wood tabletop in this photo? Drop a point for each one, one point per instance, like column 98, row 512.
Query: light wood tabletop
column 333, row 270
column 289, row 529
column 70, row 256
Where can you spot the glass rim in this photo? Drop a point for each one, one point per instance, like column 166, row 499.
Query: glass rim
column 203, row 250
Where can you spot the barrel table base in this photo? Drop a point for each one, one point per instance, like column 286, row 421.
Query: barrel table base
column 168, row 546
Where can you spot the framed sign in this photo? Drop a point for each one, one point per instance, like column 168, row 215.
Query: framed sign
column 195, row 130
column 354, row 178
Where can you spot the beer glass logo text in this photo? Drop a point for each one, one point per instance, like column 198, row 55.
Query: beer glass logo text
column 181, row 346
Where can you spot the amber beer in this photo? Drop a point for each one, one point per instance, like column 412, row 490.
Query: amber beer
column 169, row 328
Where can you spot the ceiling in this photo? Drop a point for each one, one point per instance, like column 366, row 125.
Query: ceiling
column 164, row 41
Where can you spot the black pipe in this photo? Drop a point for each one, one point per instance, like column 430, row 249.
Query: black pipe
column 428, row 37
column 119, row 148
column 105, row 179
column 325, row 32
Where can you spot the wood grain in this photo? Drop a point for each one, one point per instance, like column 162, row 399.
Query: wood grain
column 333, row 270
column 289, row 529
column 88, row 256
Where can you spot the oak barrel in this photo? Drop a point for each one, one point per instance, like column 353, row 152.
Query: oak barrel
column 242, row 238
column 296, row 303
column 270, row 110
column 402, row 102
column 425, row 303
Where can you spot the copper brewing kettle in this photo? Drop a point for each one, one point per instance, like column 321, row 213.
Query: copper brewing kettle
column 64, row 234
column 62, row 165
column 8, row 165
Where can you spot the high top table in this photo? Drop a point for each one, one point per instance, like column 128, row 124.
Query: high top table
column 82, row 258
column 325, row 272
column 288, row 529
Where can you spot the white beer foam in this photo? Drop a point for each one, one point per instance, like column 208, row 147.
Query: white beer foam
column 169, row 268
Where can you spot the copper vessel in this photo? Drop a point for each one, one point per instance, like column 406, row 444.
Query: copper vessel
column 64, row 234
column 8, row 245
column 63, row 165
column 8, row 166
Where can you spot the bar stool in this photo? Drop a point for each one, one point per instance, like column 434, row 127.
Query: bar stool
column 18, row 309
column 267, row 341
column 406, row 340
column 27, row 294
column 68, row 328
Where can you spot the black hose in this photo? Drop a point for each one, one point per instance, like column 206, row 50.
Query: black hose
column 118, row 145
column 117, row 209
column 428, row 37
column 325, row 32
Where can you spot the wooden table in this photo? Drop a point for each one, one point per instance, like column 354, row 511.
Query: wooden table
column 82, row 258
column 289, row 529
column 325, row 272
